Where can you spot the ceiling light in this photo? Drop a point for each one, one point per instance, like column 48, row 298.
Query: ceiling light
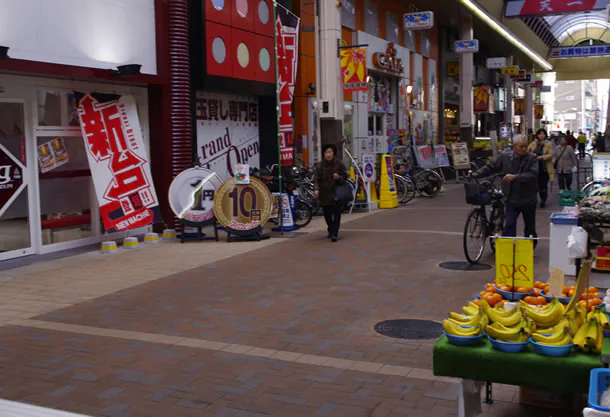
column 498, row 27
column 409, row 89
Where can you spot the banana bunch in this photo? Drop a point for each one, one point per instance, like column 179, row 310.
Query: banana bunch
column 471, row 309
column 454, row 325
column 561, row 334
column 501, row 316
column 456, row 330
column 545, row 317
column 518, row 333
column 590, row 336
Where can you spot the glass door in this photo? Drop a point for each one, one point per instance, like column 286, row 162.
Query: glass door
column 15, row 223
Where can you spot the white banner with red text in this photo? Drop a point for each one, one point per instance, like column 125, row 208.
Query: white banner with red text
column 287, row 36
column 118, row 161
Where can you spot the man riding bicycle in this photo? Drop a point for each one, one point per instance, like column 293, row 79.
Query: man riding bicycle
column 519, row 185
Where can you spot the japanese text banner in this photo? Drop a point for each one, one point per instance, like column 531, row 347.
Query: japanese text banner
column 118, row 161
column 287, row 36
column 519, row 106
column 550, row 7
column 353, row 68
column 481, row 99
column 538, row 111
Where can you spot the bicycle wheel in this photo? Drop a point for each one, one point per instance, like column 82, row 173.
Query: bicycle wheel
column 302, row 214
column 410, row 193
column 497, row 224
column 475, row 235
column 401, row 188
column 429, row 182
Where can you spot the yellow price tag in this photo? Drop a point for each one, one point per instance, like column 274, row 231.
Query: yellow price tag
column 556, row 282
column 524, row 261
column 514, row 70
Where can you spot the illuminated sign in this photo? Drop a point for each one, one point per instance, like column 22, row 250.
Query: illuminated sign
column 388, row 61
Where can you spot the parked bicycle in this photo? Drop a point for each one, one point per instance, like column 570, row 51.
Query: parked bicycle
column 479, row 226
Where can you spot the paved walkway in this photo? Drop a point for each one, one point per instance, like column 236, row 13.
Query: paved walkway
column 276, row 328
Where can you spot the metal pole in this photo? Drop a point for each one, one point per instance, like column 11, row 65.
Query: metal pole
column 277, row 119
column 318, row 143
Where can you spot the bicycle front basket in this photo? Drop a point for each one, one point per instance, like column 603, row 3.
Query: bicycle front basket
column 477, row 194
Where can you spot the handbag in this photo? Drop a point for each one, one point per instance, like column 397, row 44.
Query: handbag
column 558, row 158
column 343, row 193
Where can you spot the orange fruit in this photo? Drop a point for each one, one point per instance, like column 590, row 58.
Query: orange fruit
column 482, row 294
column 523, row 289
column 537, row 291
column 530, row 300
column 597, row 294
column 571, row 292
column 491, row 289
column 538, row 284
column 540, row 300
column 505, row 288
column 596, row 301
column 477, row 302
column 563, row 294
column 565, row 289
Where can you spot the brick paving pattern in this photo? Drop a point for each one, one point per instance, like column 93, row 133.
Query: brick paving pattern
column 295, row 319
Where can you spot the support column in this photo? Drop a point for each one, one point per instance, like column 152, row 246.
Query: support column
column 330, row 106
column 466, row 78
column 508, row 83
column 529, row 110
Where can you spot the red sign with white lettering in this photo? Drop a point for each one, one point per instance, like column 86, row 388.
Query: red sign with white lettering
column 550, row 7
column 287, row 29
column 118, row 161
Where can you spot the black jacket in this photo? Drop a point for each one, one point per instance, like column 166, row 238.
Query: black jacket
column 523, row 190
column 325, row 182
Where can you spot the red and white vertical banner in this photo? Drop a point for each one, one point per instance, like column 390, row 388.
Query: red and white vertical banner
column 118, row 161
column 287, row 38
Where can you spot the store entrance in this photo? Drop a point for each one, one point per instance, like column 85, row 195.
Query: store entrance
column 16, row 235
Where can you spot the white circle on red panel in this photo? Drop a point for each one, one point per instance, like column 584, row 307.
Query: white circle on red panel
column 219, row 50
column 243, row 55
column 263, row 12
column 264, row 59
column 242, row 7
column 218, row 4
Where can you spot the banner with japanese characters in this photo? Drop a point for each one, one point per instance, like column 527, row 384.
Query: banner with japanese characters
column 516, row 8
column 227, row 132
column 519, row 106
column 481, row 99
column 538, row 111
column 118, row 161
column 353, row 68
column 287, row 38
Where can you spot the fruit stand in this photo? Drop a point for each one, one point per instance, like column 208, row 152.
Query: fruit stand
column 525, row 337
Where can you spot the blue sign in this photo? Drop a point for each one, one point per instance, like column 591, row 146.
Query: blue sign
column 580, row 51
column 419, row 20
column 467, row 46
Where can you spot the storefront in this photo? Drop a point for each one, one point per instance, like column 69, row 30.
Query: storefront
column 47, row 198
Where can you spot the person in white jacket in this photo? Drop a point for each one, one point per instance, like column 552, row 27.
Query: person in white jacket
column 565, row 161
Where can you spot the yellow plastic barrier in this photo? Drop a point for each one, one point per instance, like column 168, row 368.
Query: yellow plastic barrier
column 387, row 189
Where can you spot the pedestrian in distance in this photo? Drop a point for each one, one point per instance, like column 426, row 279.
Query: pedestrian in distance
column 564, row 161
column 329, row 175
column 519, row 185
column 543, row 149
column 571, row 139
column 600, row 142
column 582, row 144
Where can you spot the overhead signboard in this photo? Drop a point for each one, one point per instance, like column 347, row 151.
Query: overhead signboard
column 518, row 8
column 467, row 46
column 536, row 84
column 496, row 63
column 513, row 70
column 579, row 51
column 419, row 20
column 523, row 77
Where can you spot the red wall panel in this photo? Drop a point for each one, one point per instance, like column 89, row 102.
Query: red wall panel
column 223, row 15
column 243, row 14
column 224, row 68
column 264, row 13
column 246, row 67
column 262, row 75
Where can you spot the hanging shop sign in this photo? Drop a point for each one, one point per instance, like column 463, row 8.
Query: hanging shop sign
column 537, row 84
column 538, row 111
column 518, row 254
column 496, row 63
column 287, row 40
column 227, row 132
column 52, row 154
column 453, row 69
column 12, row 182
column 467, row 46
column 515, row 8
column 353, row 68
column 579, row 51
column 481, row 98
column 243, row 208
column 545, row 89
column 118, row 161
column 460, row 155
column 419, row 20
column 523, row 77
column 512, row 70
column 388, row 61
column 191, row 195
column 368, row 167
column 440, row 154
column 519, row 107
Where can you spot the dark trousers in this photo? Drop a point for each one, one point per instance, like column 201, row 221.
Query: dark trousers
column 529, row 218
column 565, row 181
column 332, row 215
column 581, row 149
column 543, row 185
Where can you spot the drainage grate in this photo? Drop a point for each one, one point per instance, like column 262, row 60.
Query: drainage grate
column 410, row 329
column 464, row 266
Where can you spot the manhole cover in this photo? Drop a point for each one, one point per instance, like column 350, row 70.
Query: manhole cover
column 410, row 329
column 464, row 266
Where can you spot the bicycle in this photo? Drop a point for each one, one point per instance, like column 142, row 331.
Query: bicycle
column 478, row 226
column 405, row 188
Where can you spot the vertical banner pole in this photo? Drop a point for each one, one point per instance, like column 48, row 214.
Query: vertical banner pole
column 277, row 120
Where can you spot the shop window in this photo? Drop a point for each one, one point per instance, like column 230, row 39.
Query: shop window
column 49, row 108
column 66, row 189
column 348, row 14
column 425, row 43
column 391, row 27
column 371, row 18
column 380, row 94
column 409, row 40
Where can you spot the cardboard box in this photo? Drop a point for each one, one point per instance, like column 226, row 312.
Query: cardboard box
column 540, row 398
column 602, row 264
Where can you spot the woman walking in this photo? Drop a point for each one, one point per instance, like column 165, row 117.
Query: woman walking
column 330, row 173
column 543, row 149
column 565, row 162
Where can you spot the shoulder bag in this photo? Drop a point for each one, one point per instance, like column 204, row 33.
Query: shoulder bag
column 559, row 157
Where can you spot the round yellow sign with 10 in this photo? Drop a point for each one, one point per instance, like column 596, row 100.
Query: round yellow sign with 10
column 242, row 208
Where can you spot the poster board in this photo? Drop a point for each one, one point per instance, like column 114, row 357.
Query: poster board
column 425, row 154
column 440, row 154
column 461, row 158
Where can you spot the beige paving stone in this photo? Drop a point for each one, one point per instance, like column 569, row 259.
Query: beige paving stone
column 395, row 370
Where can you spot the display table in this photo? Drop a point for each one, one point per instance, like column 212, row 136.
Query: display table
column 565, row 375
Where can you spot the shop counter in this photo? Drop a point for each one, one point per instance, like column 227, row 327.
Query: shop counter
column 564, row 375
